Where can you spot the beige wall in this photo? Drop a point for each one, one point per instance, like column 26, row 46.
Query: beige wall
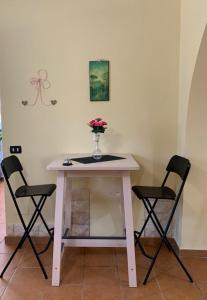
column 192, row 121
column 141, row 41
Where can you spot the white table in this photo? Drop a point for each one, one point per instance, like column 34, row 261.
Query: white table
column 120, row 168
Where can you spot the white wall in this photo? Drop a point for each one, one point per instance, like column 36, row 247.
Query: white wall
column 141, row 41
column 192, row 121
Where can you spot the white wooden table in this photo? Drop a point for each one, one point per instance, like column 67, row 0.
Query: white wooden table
column 120, row 168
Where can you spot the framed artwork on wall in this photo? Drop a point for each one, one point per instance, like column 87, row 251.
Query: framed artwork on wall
column 99, row 80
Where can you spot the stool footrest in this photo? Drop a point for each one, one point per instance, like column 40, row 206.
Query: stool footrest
column 47, row 246
column 137, row 241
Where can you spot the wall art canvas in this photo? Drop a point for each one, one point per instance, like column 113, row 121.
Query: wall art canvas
column 99, row 80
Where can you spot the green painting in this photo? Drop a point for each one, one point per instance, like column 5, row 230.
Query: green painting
column 99, row 80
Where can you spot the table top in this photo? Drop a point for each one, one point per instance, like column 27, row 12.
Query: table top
column 127, row 164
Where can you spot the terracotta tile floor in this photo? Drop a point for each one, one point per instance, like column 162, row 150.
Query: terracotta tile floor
column 100, row 273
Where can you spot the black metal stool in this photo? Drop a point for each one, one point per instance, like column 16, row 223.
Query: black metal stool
column 12, row 165
column 180, row 166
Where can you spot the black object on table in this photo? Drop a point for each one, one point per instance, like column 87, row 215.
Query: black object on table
column 90, row 159
column 67, row 162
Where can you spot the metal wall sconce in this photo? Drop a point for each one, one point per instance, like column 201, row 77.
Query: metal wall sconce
column 40, row 83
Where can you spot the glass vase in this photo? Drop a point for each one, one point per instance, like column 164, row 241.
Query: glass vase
column 97, row 151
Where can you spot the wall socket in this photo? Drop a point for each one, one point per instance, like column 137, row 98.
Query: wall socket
column 15, row 149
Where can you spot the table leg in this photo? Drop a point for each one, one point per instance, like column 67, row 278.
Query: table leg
column 68, row 204
column 58, row 229
column 122, row 213
column 129, row 229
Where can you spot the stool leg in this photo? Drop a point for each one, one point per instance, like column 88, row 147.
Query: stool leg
column 14, row 253
column 162, row 240
column 140, row 245
column 156, row 222
column 43, row 220
column 30, row 240
column 33, row 221
column 171, row 248
column 27, row 231
column 34, row 217
column 159, row 248
column 139, row 233
column 10, row 259
column 145, row 223
column 153, row 262
column 37, row 257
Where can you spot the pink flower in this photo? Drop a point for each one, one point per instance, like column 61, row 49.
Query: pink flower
column 97, row 125
column 92, row 122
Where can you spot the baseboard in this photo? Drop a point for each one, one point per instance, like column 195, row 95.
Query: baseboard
column 154, row 241
column 36, row 239
column 190, row 252
column 147, row 241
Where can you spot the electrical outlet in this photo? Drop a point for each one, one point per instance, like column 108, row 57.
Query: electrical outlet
column 15, row 149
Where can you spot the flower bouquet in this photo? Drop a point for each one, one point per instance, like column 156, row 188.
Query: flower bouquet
column 98, row 126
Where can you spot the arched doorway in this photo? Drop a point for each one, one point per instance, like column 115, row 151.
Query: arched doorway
column 195, row 196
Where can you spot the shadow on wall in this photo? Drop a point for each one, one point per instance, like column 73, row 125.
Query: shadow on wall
column 196, row 138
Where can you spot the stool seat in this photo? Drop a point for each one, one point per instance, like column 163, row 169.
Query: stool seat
column 35, row 190
column 162, row 192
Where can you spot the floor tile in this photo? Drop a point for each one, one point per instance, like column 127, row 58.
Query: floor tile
column 167, row 281
column 25, row 284
column 74, row 254
column 141, row 273
column 61, row 293
column 146, row 291
column 101, row 293
column 72, row 274
column 176, row 287
column 202, row 286
column 97, row 276
column 10, row 271
column 99, row 257
column 135, row 294
column 28, row 259
column 121, row 257
column 101, row 273
column 165, row 260
column 6, row 247
column 72, row 266
column 197, row 267
column 184, row 292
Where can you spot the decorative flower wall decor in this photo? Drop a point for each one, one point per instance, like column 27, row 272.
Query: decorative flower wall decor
column 40, row 83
